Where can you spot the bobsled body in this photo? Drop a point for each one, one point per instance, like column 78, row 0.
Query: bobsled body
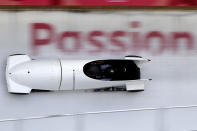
column 24, row 74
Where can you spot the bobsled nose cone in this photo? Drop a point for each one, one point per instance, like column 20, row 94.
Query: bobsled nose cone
column 18, row 74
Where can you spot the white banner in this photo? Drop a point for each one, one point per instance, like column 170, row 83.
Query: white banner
column 60, row 33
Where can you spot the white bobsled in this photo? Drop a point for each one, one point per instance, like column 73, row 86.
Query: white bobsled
column 24, row 74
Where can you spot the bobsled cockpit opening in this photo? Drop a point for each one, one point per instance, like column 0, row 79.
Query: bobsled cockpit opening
column 112, row 70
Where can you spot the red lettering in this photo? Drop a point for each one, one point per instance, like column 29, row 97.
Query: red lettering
column 93, row 41
column 182, row 35
column 137, row 40
column 35, row 28
column 135, row 24
column 155, row 34
column 67, row 35
column 115, row 41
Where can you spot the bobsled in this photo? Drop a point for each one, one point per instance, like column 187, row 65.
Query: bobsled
column 24, row 74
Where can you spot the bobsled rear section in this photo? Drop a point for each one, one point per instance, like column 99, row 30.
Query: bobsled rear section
column 117, row 72
column 139, row 61
column 24, row 74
